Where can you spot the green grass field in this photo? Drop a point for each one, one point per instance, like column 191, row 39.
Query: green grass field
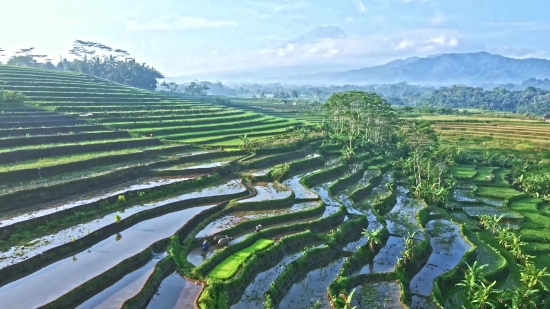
column 229, row 267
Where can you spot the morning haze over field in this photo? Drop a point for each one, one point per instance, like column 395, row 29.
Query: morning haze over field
column 275, row 154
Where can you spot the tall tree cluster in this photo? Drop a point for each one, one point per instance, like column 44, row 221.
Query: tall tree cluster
column 357, row 115
column 95, row 59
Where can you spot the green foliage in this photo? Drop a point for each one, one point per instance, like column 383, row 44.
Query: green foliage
column 10, row 98
column 353, row 115
column 228, row 267
column 280, row 171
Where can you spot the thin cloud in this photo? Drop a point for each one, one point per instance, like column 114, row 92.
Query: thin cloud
column 183, row 23
column 291, row 6
column 438, row 19
column 360, row 6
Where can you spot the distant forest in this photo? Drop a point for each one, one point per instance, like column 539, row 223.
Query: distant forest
column 94, row 59
column 532, row 97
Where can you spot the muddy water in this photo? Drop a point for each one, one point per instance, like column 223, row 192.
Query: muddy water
column 237, row 217
column 253, row 296
column 312, row 287
column 268, row 191
column 374, row 224
column 422, row 302
column 300, row 191
column 79, row 200
column 378, row 191
column 115, row 295
column 175, row 292
column 366, row 269
column 59, row 278
column 402, row 218
column 448, row 248
column 18, row 254
column 354, row 246
column 386, row 259
column 322, row 191
column 378, row 295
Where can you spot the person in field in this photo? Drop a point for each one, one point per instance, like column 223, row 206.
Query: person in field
column 258, row 228
column 205, row 246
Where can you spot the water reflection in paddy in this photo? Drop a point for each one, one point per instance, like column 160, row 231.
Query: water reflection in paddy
column 228, row 221
column 18, row 254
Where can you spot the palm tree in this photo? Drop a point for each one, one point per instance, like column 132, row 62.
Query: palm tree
column 373, row 237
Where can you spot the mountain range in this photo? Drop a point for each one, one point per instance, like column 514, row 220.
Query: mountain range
column 479, row 68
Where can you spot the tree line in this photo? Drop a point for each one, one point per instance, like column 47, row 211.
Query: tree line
column 532, row 97
column 95, row 59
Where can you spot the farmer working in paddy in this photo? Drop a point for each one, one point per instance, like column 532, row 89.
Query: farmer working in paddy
column 205, row 246
column 258, row 228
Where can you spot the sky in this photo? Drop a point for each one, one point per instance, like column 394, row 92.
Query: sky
column 183, row 37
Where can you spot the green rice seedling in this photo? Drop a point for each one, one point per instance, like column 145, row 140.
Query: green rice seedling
column 228, row 267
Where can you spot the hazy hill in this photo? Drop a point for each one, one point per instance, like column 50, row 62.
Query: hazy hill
column 467, row 68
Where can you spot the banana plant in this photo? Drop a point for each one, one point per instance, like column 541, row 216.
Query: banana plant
column 471, row 279
column 347, row 299
column 373, row 237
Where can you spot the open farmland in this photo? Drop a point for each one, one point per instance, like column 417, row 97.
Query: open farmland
column 511, row 136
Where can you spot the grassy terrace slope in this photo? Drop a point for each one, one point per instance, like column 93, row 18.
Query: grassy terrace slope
column 63, row 96
column 48, row 141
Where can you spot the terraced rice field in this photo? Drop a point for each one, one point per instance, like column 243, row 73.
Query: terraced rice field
column 520, row 213
column 95, row 213
column 119, row 246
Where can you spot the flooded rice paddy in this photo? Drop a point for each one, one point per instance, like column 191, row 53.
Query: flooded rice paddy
column 268, row 191
column 448, row 247
column 59, row 278
column 20, row 253
column 88, row 198
column 311, row 288
column 115, row 295
column 377, row 295
column 228, row 221
column 175, row 292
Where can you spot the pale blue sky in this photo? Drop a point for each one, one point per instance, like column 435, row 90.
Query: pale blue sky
column 186, row 37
